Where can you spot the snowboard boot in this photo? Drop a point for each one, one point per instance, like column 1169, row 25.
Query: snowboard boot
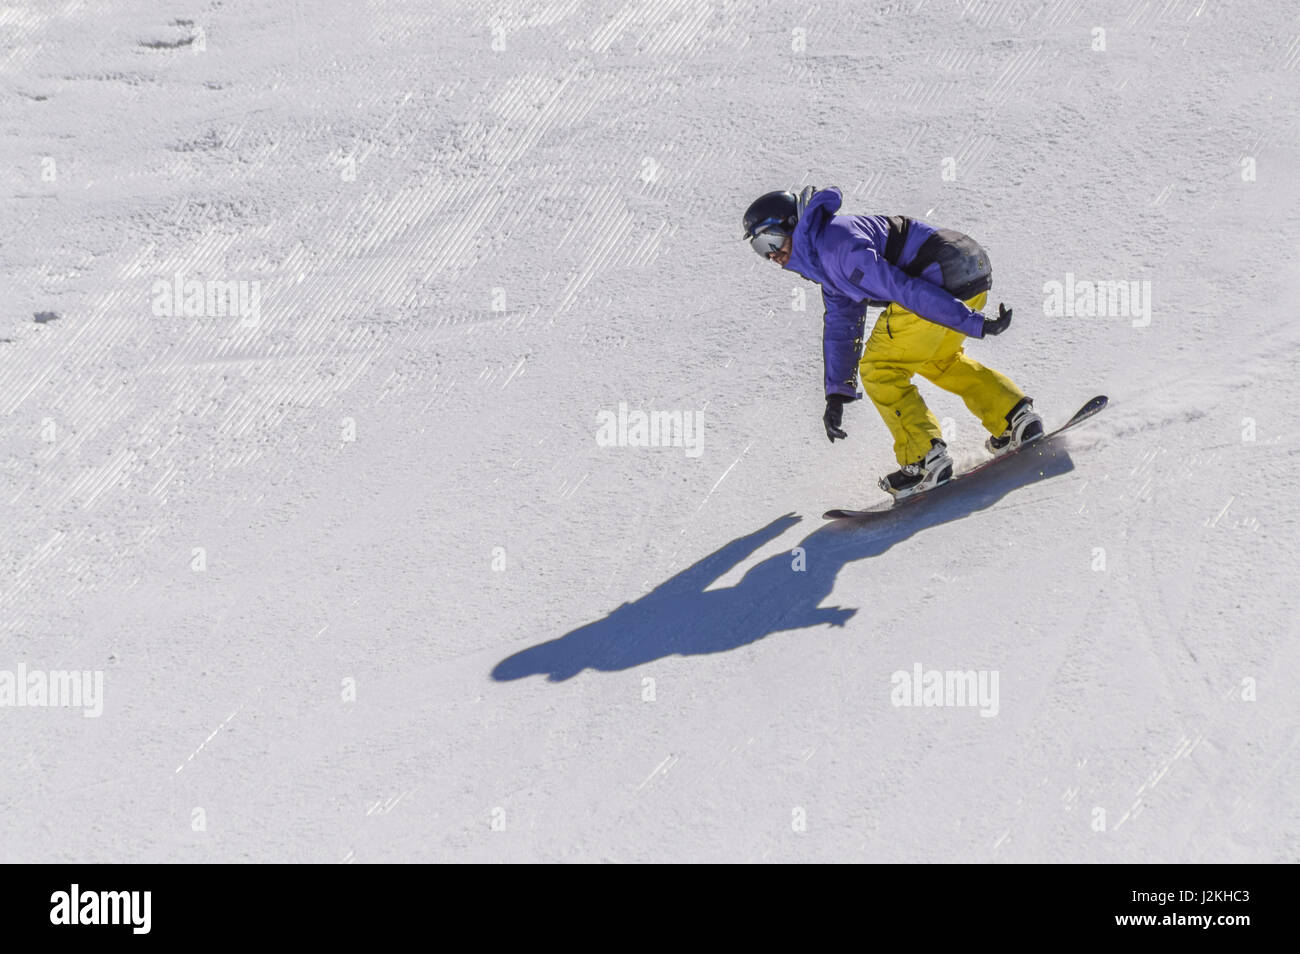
column 1023, row 427
column 932, row 470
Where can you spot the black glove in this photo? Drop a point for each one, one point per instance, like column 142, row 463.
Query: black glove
column 995, row 326
column 834, row 415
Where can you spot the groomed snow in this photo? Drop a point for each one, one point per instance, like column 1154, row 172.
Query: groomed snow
column 360, row 579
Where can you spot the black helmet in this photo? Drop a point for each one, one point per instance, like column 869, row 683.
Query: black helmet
column 769, row 219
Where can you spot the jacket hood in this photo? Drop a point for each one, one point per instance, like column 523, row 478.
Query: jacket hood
column 816, row 206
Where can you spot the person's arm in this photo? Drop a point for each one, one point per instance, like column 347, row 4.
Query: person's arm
column 865, row 270
column 842, row 342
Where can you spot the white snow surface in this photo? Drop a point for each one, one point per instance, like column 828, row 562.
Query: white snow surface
column 472, row 633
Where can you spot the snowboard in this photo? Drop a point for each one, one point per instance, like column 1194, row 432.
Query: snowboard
column 1081, row 415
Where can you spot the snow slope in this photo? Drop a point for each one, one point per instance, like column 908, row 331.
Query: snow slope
column 365, row 587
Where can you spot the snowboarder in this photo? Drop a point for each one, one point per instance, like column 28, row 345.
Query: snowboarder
column 932, row 284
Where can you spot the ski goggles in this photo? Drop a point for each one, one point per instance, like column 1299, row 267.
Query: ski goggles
column 766, row 242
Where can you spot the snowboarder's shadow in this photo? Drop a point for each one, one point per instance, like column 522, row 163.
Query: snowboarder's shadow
column 681, row 616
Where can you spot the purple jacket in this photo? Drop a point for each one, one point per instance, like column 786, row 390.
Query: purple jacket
column 845, row 255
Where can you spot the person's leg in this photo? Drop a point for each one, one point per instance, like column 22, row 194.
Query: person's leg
column 899, row 344
column 988, row 394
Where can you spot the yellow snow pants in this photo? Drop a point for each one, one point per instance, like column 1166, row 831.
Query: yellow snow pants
column 902, row 344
